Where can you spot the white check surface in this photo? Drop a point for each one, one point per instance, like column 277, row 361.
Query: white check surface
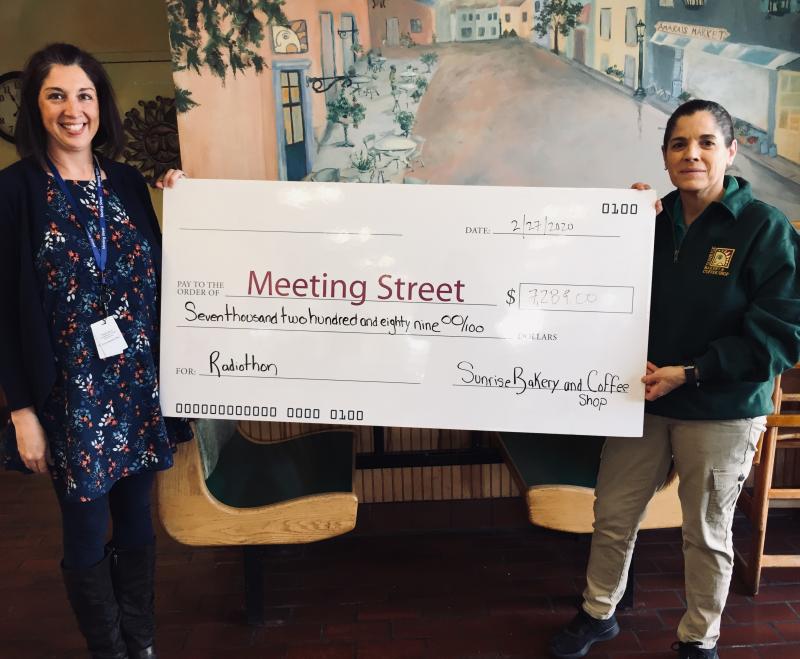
column 487, row 308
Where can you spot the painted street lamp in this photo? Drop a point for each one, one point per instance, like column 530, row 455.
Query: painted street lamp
column 640, row 28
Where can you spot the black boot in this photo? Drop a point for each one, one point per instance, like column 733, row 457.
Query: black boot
column 133, row 575
column 91, row 595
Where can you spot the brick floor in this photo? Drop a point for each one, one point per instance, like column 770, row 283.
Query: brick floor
column 497, row 589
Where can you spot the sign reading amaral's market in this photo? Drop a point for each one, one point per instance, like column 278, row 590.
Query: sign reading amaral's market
column 697, row 31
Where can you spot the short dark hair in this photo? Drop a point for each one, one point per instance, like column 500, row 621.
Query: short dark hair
column 30, row 135
column 720, row 114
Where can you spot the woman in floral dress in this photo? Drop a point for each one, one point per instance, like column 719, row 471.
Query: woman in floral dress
column 79, row 340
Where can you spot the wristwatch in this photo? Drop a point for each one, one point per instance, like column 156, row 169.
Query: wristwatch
column 690, row 372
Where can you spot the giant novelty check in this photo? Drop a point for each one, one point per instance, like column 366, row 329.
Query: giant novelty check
column 486, row 308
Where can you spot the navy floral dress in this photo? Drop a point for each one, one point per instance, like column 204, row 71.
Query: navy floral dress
column 102, row 419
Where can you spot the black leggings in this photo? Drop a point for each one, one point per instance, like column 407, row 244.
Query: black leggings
column 85, row 524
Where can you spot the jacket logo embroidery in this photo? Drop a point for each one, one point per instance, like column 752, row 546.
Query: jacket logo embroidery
column 719, row 261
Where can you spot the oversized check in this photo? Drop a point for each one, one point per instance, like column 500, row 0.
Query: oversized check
column 486, row 308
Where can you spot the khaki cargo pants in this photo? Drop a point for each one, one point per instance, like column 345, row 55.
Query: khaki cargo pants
column 712, row 459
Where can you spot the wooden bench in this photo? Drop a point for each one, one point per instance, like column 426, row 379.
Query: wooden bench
column 294, row 491
column 557, row 475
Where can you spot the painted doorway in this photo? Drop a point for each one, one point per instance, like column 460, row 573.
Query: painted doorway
column 328, row 52
column 294, row 132
column 579, row 53
column 392, row 31
column 629, row 74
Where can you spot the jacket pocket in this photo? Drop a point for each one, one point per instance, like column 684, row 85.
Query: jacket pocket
column 725, row 489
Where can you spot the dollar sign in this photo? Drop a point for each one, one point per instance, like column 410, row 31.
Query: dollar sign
column 511, row 296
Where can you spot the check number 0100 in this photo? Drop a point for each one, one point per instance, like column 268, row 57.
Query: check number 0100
column 619, row 209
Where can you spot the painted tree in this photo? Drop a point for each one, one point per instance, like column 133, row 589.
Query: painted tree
column 220, row 35
column 561, row 16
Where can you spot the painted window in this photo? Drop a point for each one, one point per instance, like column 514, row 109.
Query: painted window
column 292, row 106
column 524, row 16
column 466, row 32
column 481, row 31
column 494, row 31
column 470, row 17
column 789, row 102
column 605, row 23
column 630, row 26
column 508, row 18
column 778, row 7
column 537, row 5
column 416, row 25
column 666, row 3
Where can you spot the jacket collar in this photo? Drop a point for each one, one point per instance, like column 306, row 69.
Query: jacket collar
column 733, row 202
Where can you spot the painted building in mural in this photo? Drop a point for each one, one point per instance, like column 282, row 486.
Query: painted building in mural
column 393, row 22
column 616, row 49
column 286, row 116
column 743, row 53
column 516, row 18
column 477, row 22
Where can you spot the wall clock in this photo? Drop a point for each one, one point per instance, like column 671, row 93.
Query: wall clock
column 10, row 93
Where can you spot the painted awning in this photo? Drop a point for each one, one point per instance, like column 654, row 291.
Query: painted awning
column 767, row 58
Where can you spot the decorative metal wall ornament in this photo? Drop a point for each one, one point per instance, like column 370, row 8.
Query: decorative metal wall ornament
column 694, row 4
column 152, row 145
column 320, row 85
column 291, row 38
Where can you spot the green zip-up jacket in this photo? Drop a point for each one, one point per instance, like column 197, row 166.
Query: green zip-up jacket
column 727, row 299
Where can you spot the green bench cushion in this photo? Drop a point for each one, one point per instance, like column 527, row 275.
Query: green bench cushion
column 248, row 474
column 554, row 459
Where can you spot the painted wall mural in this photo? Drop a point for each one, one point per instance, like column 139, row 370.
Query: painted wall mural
column 504, row 92
column 291, row 38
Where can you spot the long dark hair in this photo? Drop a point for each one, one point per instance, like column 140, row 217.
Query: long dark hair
column 30, row 135
column 719, row 113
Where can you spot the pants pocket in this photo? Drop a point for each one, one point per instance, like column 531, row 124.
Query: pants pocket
column 725, row 489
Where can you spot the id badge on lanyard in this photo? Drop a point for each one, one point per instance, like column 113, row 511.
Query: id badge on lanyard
column 107, row 336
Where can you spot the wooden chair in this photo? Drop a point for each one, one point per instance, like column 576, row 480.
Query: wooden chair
column 287, row 492
column 783, row 431
column 557, row 475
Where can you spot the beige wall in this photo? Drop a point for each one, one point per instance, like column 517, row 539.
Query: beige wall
column 129, row 36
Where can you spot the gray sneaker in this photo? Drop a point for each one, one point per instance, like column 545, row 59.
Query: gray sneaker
column 580, row 634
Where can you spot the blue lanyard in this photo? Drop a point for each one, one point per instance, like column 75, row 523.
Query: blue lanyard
column 101, row 254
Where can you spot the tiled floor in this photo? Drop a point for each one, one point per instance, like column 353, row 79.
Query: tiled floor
column 491, row 587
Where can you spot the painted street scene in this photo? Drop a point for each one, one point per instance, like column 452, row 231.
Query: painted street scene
column 515, row 92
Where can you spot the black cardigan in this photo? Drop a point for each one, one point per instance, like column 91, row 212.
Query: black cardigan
column 27, row 361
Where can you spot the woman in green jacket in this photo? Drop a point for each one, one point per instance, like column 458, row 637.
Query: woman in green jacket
column 724, row 321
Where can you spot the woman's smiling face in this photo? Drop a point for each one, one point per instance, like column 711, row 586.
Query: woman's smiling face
column 696, row 156
column 69, row 108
